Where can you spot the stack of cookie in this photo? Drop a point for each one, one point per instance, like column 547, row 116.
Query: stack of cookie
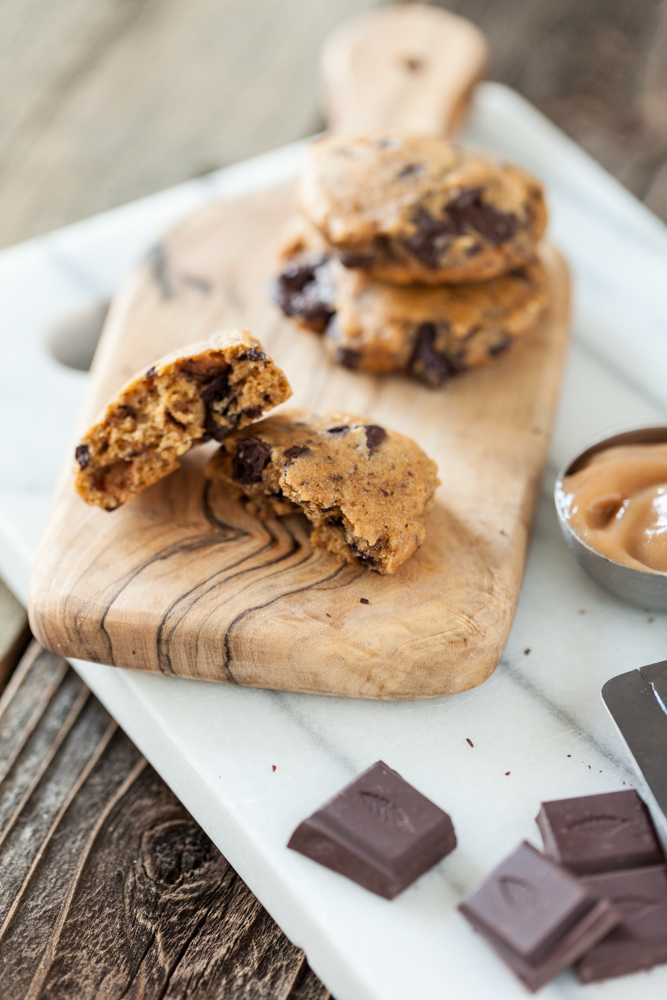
column 413, row 255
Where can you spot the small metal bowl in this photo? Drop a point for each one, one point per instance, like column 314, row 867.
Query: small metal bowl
column 644, row 589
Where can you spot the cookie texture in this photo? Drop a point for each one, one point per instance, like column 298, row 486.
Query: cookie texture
column 196, row 394
column 365, row 489
column 426, row 331
column 415, row 208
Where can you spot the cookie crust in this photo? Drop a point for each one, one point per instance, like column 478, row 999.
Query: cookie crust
column 416, row 209
column 366, row 490
column 196, row 394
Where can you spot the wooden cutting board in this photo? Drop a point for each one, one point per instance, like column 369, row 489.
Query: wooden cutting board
column 183, row 581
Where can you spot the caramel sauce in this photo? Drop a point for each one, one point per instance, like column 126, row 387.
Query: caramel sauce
column 617, row 504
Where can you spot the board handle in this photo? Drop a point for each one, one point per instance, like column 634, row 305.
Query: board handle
column 406, row 67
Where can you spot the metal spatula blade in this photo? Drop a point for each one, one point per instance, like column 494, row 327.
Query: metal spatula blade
column 637, row 702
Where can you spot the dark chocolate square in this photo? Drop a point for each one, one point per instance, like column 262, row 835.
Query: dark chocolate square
column 528, row 903
column 538, row 917
column 596, row 833
column 640, row 940
column 379, row 831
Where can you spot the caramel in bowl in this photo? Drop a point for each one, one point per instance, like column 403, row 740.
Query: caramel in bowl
column 611, row 500
column 617, row 504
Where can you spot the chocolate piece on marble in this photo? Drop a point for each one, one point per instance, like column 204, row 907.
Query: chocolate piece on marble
column 379, row 831
column 537, row 917
column 640, row 939
column 596, row 833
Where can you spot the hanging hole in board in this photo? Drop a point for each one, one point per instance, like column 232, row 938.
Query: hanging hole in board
column 73, row 340
column 413, row 64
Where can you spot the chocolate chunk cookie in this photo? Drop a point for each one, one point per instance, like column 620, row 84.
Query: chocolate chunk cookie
column 417, row 209
column 199, row 393
column 429, row 332
column 365, row 489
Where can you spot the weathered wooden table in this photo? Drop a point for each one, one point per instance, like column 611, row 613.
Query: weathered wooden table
column 108, row 888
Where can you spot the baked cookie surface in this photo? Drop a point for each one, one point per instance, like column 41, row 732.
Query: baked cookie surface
column 429, row 332
column 415, row 208
column 365, row 489
column 196, row 394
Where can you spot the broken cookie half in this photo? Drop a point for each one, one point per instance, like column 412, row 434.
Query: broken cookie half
column 365, row 489
column 196, row 394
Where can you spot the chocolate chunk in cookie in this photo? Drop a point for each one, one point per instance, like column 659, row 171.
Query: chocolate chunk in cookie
column 427, row 362
column 418, row 209
column 199, row 393
column 365, row 489
column 303, row 289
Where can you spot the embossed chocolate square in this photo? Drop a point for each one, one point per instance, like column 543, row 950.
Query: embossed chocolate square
column 379, row 831
column 597, row 833
column 537, row 916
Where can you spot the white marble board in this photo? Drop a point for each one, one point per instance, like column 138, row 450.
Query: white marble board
column 540, row 717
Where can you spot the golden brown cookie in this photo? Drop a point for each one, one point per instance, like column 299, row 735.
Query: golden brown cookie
column 195, row 394
column 429, row 332
column 414, row 208
column 365, row 489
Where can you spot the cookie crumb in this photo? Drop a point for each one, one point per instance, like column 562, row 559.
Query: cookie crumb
column 470, row 742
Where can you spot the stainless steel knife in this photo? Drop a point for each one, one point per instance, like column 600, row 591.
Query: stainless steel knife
column 637, row 702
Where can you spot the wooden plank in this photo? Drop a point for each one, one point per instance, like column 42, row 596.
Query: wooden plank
column 598, row 69
column 100, row 104
column 108, row 101
column 109, row 887
column 181, row 580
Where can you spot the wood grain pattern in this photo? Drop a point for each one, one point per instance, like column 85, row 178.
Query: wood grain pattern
column 182, row 581
column 108, row 888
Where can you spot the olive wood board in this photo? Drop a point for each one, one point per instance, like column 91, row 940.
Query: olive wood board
column 183, row 581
